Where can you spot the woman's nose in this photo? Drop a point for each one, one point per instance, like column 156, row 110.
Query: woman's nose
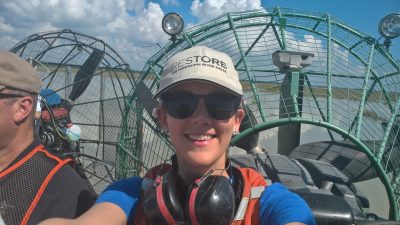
column 201, row 111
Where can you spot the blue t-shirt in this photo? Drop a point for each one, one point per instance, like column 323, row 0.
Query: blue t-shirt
column 124, row 193
column 277, row 203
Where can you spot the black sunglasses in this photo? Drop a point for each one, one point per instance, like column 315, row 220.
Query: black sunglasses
column 9, row 95
column 182, row 104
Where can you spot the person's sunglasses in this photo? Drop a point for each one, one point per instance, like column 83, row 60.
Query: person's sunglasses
column 182, row 104
column 9, row 95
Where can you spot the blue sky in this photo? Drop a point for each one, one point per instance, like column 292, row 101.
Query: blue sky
column 363, row 15
column 129, row 25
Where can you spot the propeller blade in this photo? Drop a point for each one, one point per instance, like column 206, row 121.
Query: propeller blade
column 68, row 81
column 146, row 98
column 85, row 74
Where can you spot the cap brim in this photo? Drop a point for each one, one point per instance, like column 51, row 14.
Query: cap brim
column 167, row 88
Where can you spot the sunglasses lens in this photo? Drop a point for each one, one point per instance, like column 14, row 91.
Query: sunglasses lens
column 180, row 105
column 222, row 106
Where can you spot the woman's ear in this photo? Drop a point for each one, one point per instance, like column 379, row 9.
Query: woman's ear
column 238, row 118
column 161, row 117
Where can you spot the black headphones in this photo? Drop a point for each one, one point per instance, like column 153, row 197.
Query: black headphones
column 209, row 200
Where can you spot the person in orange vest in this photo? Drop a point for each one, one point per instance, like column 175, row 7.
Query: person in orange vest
column 200, row 107
column 34, row 183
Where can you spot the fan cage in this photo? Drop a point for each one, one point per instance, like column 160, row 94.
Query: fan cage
column 351, row 89
column 99, row 109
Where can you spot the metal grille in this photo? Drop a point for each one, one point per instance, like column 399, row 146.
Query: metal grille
column 351, row 89
column 98, row 94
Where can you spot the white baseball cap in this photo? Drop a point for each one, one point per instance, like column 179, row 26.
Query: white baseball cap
column 200, row 63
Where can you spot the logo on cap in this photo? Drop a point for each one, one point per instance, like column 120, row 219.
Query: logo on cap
column 197, row 60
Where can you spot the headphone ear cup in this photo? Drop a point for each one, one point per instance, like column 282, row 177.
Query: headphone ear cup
column 160, row 202
column 211, row 201
column 171, row 197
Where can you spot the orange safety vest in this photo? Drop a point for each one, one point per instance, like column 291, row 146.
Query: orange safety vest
column 248, row 210
column 22, row 184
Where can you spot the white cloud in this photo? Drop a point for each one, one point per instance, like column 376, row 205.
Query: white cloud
column 125, row 25
column 147, row 24
column 134, row 5
column 171, row 2
column 109, row 20
column 5, row 27
column 209, row 9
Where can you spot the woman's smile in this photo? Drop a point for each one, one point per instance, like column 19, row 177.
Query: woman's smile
column 200, row 137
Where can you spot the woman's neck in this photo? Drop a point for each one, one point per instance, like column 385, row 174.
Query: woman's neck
column 190, row 173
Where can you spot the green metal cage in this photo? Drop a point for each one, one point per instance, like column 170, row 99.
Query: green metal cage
column 95, row 80
column 351, row 90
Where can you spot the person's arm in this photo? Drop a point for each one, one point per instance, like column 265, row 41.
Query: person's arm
column 113, row 207
column 100, row 214
column 279, row 206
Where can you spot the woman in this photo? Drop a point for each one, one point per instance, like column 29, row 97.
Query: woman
column 200, row 96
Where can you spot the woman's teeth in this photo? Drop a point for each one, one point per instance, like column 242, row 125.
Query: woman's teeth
column 199, row 137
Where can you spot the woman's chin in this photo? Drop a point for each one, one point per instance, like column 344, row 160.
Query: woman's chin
column 204, row 161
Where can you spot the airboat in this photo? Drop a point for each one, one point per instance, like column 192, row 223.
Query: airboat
column 322, row 106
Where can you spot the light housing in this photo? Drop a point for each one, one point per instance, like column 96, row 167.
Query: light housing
column 389, row 26
column 288, row 61
column 172, row 24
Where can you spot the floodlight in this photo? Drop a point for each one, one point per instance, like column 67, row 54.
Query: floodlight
column 291, row 60
column 172, row 24
column 389, row 27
